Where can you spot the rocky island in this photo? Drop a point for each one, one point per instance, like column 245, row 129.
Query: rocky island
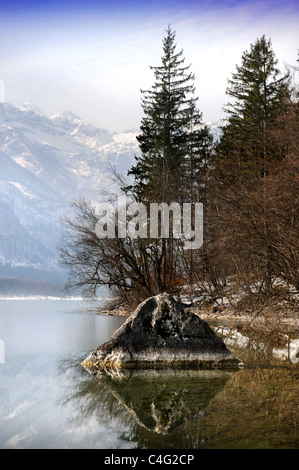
column 161, row 333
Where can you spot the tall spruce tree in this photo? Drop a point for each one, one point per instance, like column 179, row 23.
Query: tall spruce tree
column 246, row 225
column 171, row 138
column 260, row 92
column 198, row 156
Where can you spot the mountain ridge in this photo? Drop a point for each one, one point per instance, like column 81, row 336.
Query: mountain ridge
column 45, row 162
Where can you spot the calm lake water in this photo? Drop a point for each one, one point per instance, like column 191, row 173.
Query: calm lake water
column 49, row 401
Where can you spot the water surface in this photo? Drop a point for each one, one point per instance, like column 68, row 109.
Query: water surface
column 48, row 400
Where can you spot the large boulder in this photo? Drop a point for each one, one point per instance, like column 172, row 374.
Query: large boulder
column 161, row 333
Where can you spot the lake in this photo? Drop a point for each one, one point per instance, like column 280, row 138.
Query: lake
column 49, row 401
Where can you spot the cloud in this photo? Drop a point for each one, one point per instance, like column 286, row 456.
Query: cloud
column 93, row 57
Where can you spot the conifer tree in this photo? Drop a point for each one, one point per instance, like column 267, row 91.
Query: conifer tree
column 198, row 156
column 171, row 122
column 260, row 92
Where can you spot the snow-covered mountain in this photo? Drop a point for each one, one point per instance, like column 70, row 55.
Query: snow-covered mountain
column 215, row 128
column 45, row 162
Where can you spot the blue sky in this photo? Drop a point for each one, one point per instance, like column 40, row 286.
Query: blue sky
column 92, row 57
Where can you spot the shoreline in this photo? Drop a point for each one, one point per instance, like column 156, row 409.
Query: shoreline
column 283, row 322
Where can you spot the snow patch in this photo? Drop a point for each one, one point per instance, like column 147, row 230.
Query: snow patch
column 23, row 190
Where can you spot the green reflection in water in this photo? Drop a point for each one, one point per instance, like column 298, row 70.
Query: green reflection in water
column 161, row 401
column 253, row 408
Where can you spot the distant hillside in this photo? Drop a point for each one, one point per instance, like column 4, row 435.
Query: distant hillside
column 45, row 162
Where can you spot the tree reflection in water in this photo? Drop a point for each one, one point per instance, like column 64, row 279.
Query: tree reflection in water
column 143, row 405
column 163, row 400
column 89, row 398
column 256, row 407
